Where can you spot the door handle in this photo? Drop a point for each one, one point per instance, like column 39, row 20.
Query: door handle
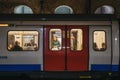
column 63, row 47
column 66, row 47
column 67, row 34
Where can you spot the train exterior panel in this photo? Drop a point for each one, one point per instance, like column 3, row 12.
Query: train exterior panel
column 53, row 46
column 100, row 59
column 13, row 60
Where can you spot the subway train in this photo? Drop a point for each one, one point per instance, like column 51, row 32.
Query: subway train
column 59, row 46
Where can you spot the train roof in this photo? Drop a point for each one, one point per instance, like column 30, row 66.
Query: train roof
column 56, row 17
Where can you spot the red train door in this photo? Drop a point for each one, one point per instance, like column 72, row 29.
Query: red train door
column 77, row 48
column 70, row 53
column 54, row 53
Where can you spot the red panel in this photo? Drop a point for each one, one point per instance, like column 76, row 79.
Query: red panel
column 78, row 60
column 53, row 60
column 66, row 58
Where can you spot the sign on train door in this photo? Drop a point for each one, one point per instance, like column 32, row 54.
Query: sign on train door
column 66, row 48
column 100, row 48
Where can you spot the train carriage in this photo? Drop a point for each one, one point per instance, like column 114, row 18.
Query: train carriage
column 59, row 46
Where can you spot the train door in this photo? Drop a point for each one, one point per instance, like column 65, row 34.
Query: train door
column 77, row 48
column 100, row 48
column 70, row 53
column 54, row 53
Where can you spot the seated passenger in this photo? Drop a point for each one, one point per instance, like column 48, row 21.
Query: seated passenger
column 95, row 47
column 17, row 47
column 103, row 47
column 28, row 47
column 10, row 47
column 35, row 47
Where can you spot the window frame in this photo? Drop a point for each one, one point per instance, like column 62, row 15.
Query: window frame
column 105, row 41
column 82, row 40
column 24, row 50
column 61, row 40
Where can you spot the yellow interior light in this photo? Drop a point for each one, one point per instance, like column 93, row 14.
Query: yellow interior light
column 4, row 25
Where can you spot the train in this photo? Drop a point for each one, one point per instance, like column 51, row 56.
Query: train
column 60, row 46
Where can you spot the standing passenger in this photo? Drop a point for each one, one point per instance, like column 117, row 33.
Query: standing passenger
column 55, row 43
column 95, row 46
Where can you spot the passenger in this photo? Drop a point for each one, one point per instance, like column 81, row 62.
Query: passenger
column 10, row 47
column 25, row 46
column 35, row 47
column 55, row 43
column 95, row 47
column 72, row 42
column 32, row 42
column 17, row 47
column 29, row 47
column 103, row 47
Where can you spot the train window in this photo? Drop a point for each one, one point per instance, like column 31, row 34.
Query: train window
column 76, row 39
column 55, row 39
column 22, row 41
column 99, row 43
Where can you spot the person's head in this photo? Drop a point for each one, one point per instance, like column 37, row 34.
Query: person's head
column 10, row 46
column 103, row 45
column 17, row 43
column 35, row 45
column 95, row 45
column 55, row 37
column 72, row 36
column 28, row 44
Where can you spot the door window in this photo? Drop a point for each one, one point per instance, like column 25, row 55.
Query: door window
column 99, row 39
column 55, row 39
column 76, row 39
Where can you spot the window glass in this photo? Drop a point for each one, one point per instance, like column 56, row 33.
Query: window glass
column 76, row 39
column 22, row 40
column 63, row 9
column 23, row 9
column 105, row 9
column 99, row 41
column 55, row 39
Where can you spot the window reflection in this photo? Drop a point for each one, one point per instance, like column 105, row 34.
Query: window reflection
column 63, row 9
column 55, row 39
column 105, row 9
column 22, row 40
column 99, row 41
column 76, row 39
column 23, row 9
